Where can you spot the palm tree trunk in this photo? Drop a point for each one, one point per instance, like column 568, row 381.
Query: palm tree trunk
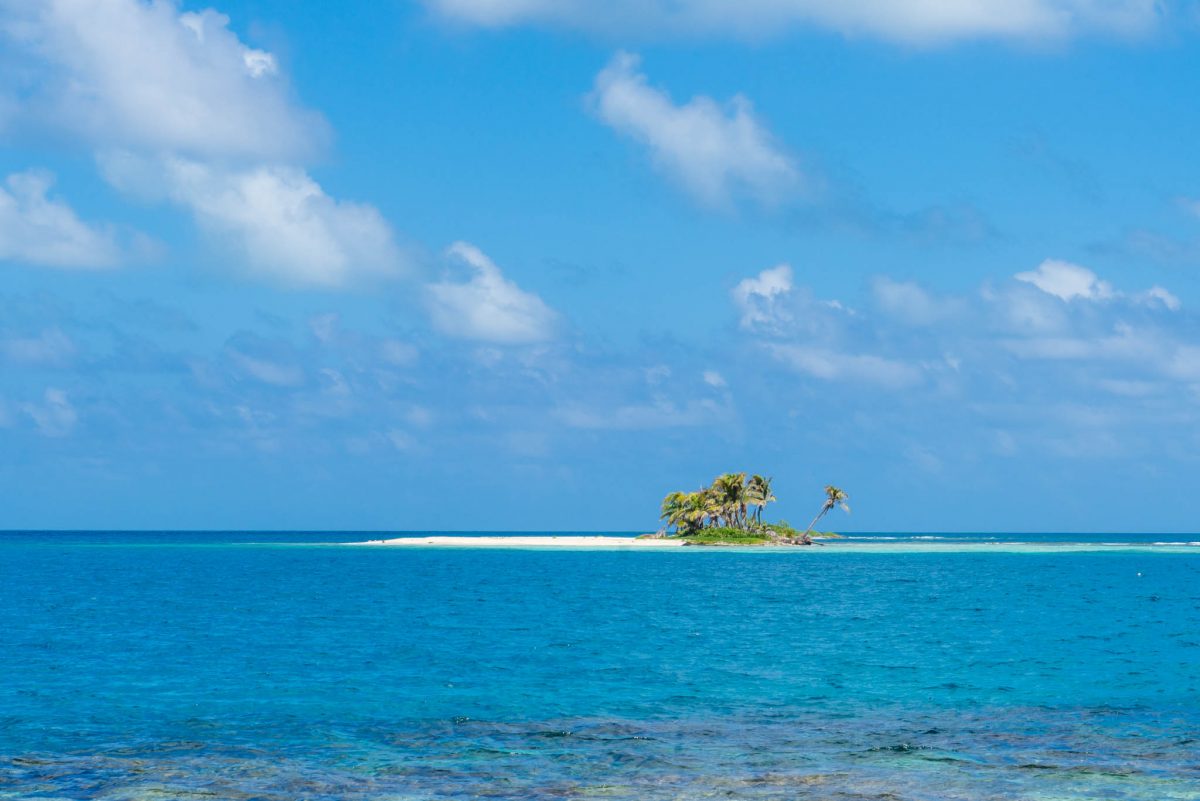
column 820, row 514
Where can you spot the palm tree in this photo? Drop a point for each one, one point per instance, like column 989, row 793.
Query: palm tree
column 730, row 491
column 758, row 494
column 672, row 508
column 833, row 497
column 702, row 509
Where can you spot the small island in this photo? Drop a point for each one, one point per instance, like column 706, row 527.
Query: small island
column 729, row 512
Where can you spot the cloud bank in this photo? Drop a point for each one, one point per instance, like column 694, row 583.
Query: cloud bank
column 907, row 335
column 911, row 22
column 144, row 75
column 178, row 109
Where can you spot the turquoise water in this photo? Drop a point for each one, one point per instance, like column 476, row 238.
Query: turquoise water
column 138, row 666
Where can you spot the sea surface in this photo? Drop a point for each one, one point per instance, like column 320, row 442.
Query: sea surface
column 262, row 666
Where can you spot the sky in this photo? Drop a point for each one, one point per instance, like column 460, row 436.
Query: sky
column 532, row 264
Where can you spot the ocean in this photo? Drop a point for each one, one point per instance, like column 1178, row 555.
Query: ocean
column 181, row 665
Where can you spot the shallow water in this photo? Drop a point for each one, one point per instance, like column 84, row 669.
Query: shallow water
column 196, row 665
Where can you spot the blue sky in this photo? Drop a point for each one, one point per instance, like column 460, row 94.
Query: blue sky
column 531, row 264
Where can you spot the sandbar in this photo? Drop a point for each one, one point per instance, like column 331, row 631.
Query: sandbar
column 547, row 541
column 598, row 542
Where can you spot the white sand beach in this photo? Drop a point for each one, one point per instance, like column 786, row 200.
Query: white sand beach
column 594, row 542
column 546, row 541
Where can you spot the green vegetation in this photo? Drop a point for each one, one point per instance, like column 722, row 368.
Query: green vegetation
column 729, row 512
column 785, row 530
column 723, row 535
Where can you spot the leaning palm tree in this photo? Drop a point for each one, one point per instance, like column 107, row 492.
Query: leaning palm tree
column 758, row 495
column 833, row 497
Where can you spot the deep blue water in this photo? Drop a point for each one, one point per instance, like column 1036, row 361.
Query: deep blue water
column 188, row 665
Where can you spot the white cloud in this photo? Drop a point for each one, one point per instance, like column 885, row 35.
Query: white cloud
column 1183, row 363
column 36, row 229
column 1067, row 281
column 144, row 75
column 278, row 219
column 1022, row 308
column 714, row 379
column 1053, row 348
column 906, row 21
column 334, row 383
column 178, row 108
column 51, row 348
column 911, row 304
column 772, row 305
column 716, row 153
column 1127, row 388
column 268, row 361
column 1112, row 357
column 758, row 298
column 1158, row 295
column 54, row 416
column 657, row 374
column 1059, row 312
column 419, row 417
column 325, row 326
column 398, row 354
column 1069, row 315
column 259, row 63
column 267, row 371
column 401, row 440
column 834, row 365
column 661, row 413
column 487, row 307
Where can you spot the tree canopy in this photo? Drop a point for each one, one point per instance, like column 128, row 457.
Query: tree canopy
column 727, row 502
column 731, row 508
